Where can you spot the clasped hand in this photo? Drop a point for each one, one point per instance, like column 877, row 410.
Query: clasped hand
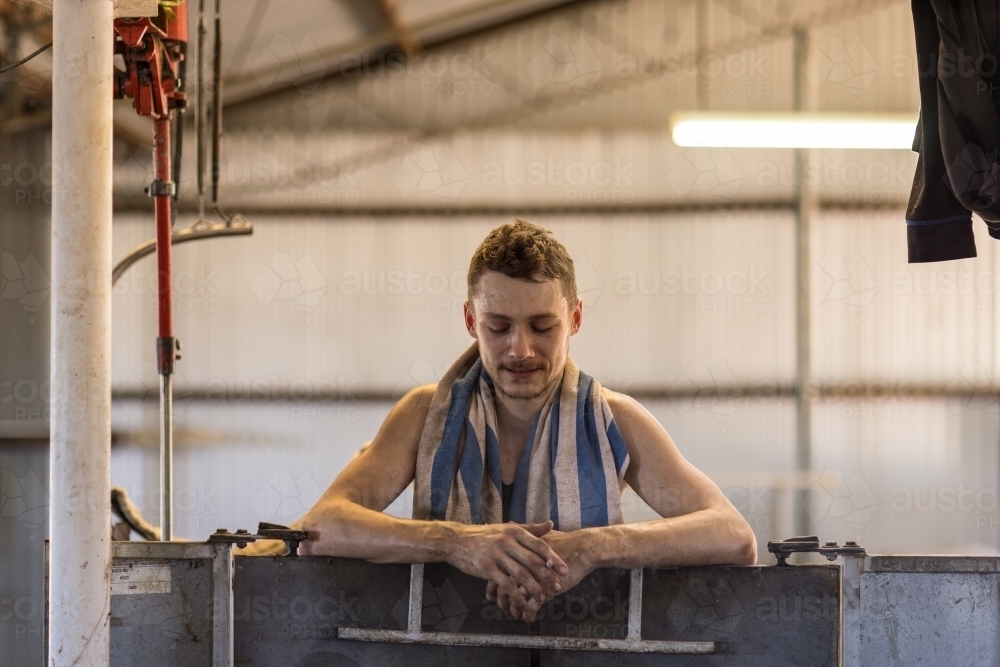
column 521, row 564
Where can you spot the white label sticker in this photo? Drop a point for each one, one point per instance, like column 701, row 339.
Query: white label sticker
column 131, row 577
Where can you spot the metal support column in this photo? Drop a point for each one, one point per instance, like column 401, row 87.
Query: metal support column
column 805, row 206
column 80, row 454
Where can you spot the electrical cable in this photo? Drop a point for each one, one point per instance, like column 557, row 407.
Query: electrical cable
column 24, row 60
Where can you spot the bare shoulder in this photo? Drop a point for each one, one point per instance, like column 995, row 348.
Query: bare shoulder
column 410, row 412
column 641, row 431
column 616, row 399
column 419, row 397
column 626, row 410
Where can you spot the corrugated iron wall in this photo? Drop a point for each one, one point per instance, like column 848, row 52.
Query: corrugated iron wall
column 371, row 188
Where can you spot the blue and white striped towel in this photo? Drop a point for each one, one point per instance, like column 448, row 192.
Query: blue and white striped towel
column 572, row 469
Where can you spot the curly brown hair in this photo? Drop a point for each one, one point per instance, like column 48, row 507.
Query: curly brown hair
column 521, row 249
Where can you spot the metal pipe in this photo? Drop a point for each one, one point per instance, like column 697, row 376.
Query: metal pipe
column 528, row 641
column 166, row 457
column 162, row 199
column 216, row 103
column 80, row 454
column 199, row 108
column 805, row 206
column 203, row 229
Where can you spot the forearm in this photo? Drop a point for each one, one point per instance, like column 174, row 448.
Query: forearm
column 706, row 537
column 346, row 529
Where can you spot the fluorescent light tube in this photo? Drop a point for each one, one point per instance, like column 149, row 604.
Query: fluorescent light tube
column 793, row 130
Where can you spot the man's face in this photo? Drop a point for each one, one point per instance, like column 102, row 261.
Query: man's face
column 523, row 328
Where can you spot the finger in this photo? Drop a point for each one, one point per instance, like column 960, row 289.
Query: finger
column 491, row 591
column 531, row 609
column 534, row 563
column 503, row 599
column 538, row 529
column 544, row 551
column 521, row 576
column 546, row 577
column 514, row 601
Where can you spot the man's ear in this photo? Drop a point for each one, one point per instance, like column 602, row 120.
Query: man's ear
column 576, row 317
column 470, row 319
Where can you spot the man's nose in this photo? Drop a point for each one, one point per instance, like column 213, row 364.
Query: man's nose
column 520, row 344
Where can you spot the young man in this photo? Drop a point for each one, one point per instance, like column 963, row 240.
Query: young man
column 514, row 430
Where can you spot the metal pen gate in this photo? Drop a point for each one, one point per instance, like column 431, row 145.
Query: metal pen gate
column 191, row 604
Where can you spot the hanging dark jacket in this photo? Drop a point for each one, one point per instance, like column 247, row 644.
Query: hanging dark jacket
column 958, row 49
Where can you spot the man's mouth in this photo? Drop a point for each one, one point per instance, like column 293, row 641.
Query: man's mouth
column 521, row 373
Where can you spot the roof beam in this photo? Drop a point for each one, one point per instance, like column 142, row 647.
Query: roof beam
column 453, row 25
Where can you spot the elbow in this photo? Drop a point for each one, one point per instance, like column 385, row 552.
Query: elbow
column 322, row 525
column 744, row 542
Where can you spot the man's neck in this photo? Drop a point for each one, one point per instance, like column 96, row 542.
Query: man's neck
column 517, row 416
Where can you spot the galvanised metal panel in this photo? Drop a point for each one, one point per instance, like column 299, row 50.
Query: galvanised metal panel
column 288, row 610
column 166, row 629
column 762, row 615
column 927, row 610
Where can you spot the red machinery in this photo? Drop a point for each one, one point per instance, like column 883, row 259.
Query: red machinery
column 151, row 73
column 152, row 50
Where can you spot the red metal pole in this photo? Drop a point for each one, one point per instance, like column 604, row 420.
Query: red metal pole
column 162, row 190
column 161, row 203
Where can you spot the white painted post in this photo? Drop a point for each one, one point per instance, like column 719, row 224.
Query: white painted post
column 80, row 470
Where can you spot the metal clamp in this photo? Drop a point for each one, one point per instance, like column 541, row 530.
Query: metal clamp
column 161, row 189
column 265, row 531
column 782, row 549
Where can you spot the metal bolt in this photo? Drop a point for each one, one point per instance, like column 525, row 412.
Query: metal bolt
column 850, row 544
column 221, row 531
column 831, row 544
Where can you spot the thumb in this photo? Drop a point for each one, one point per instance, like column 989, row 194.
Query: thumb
column 538, row 529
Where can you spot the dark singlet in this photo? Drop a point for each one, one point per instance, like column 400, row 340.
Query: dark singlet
column 507, row 495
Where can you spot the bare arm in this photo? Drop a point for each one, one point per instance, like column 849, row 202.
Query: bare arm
column 348, row 520
column 700, row 525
